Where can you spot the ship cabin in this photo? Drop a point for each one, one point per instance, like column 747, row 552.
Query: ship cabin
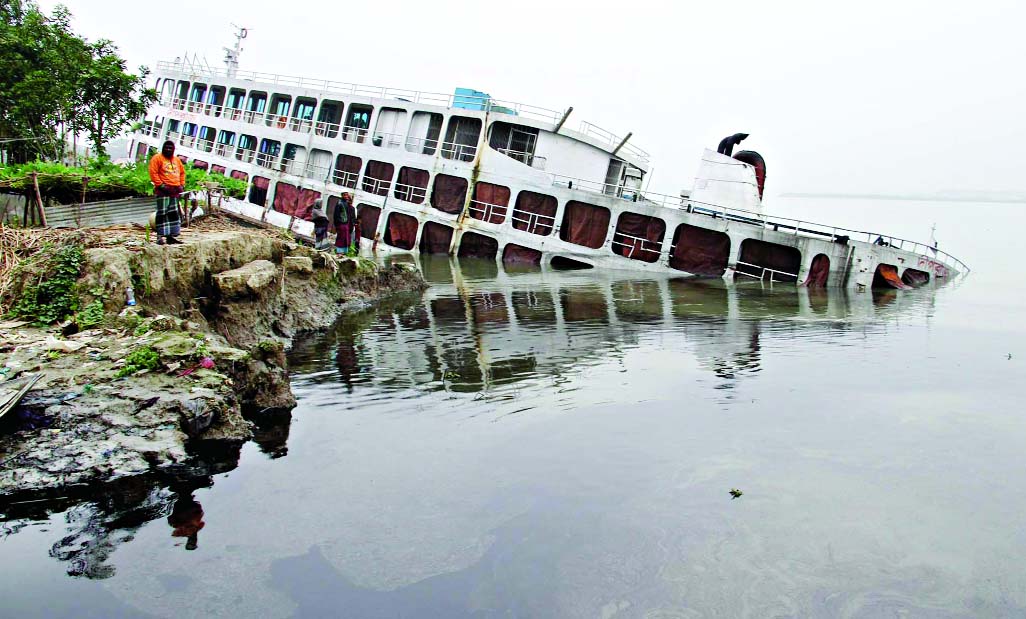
column 469, row 175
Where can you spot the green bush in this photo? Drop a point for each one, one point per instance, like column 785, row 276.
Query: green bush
column 50, row 291
column 142, row 358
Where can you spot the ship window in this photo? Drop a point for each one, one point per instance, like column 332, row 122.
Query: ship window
column 388, row 131
column 461, row 138
column 886, row 276
column 206, row 138
column 217, row 169
column 515, row 141
column 278, row 113
column 293, row 159
column 225, row 141
column 534, row 213
column 302, row 116
column 167, row 92
column 347, row 170
column 172, row 127
column 517, row 254
column 411, row 186
column 638, row 237
column 319, row 165
column 258, row 190
column 368, row 217
column 425, row 128
column 489, row 203
column 699, row 251
column 236, row 98
column 296, row 201
column 770, row 261
column 377, row 178
column 328, row 118
column 449, row 193
column 255, row 106
column 181, row 95
column 584, row 224
column 473, row 245
column 199, row 165
column 196, row 97
column 401, row 231
column 269, row 151
column 914, row 277
column 819, row 272
column 190, row 129
column 215, row 99
column 357, row 123
column 140, row 151
column 435, row 239
column 240, row 175
column 247, row 147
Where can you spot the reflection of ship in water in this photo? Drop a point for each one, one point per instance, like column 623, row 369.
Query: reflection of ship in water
column 479, row 325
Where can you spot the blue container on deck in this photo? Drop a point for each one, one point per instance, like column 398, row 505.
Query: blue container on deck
column 470, row 99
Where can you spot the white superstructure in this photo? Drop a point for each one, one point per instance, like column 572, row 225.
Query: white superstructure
column 469, row 175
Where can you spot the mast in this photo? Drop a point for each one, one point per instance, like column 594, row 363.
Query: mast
column 231, row 56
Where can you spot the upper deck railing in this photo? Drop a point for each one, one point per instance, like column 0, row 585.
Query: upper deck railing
column 798, row 227
column 489, row 104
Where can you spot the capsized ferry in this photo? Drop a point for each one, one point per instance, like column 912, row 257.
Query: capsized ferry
column 470, row 175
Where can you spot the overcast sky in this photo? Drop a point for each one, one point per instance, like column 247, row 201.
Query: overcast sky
column 894, row 95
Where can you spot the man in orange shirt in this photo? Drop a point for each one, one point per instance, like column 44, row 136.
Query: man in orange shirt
column 168, row 176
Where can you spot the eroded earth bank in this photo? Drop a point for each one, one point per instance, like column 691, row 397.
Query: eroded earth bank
column 129, row 391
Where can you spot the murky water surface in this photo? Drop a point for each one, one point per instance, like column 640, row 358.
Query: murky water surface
column 529, row 444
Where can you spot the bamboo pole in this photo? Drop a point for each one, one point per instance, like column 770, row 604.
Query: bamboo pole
column 39, row 200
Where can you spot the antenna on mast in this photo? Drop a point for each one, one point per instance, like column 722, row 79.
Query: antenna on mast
column 231, row 56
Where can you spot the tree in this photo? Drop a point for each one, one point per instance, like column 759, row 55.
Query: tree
column 53, row 82
column 109, row 98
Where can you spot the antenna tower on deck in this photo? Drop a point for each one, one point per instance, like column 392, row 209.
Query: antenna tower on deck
column 231, row 56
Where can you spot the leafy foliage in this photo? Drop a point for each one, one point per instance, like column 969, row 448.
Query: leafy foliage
column 142, row 358
column 54, row 83
column 106, row 180
column 91, row 315
column 50, row 292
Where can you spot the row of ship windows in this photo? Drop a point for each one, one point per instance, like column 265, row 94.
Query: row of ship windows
column 421, row 133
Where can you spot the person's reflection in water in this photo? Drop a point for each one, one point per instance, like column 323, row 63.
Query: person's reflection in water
column 347, row 361
column 186, row 519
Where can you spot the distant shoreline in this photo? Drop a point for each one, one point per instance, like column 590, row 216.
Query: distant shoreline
column 910, row 198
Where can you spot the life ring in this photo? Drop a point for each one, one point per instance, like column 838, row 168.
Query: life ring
column 281, row 122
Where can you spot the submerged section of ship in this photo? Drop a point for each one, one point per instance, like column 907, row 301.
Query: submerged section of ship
column 472, row 176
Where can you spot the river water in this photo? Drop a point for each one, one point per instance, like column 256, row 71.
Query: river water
column 564, row 444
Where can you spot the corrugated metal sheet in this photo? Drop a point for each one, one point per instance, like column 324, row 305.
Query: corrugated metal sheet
column 108, row 213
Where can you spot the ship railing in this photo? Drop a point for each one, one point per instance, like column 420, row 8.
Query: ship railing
column 173, row 135
column 346, row 179
column 223, row 150
column 382, row 92
column 786, row 224
column 187, row 140
column 635, row 244
column 484, row 210
column 245, row 154
column 524, row 157
column 763, row 272
column 326, row 129
column 377, row 186
column 151, row 130
column 611, row 139
column 266, row 160
column 204, row 145
column 460, row 152
column 233, row 113
column 387, row 140
column 301, row 125
column 420, row 144
column 533, row 221
column 410, row 193
column 354, row 134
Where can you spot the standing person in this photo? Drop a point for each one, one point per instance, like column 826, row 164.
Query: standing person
column 320, row 222
column 343, row 221
column 354, row 229
column 168, row 176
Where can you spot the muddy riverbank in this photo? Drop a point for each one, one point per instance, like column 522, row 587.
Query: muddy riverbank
column 198, row 359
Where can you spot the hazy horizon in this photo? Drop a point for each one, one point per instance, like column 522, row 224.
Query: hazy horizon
column 879, row 98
